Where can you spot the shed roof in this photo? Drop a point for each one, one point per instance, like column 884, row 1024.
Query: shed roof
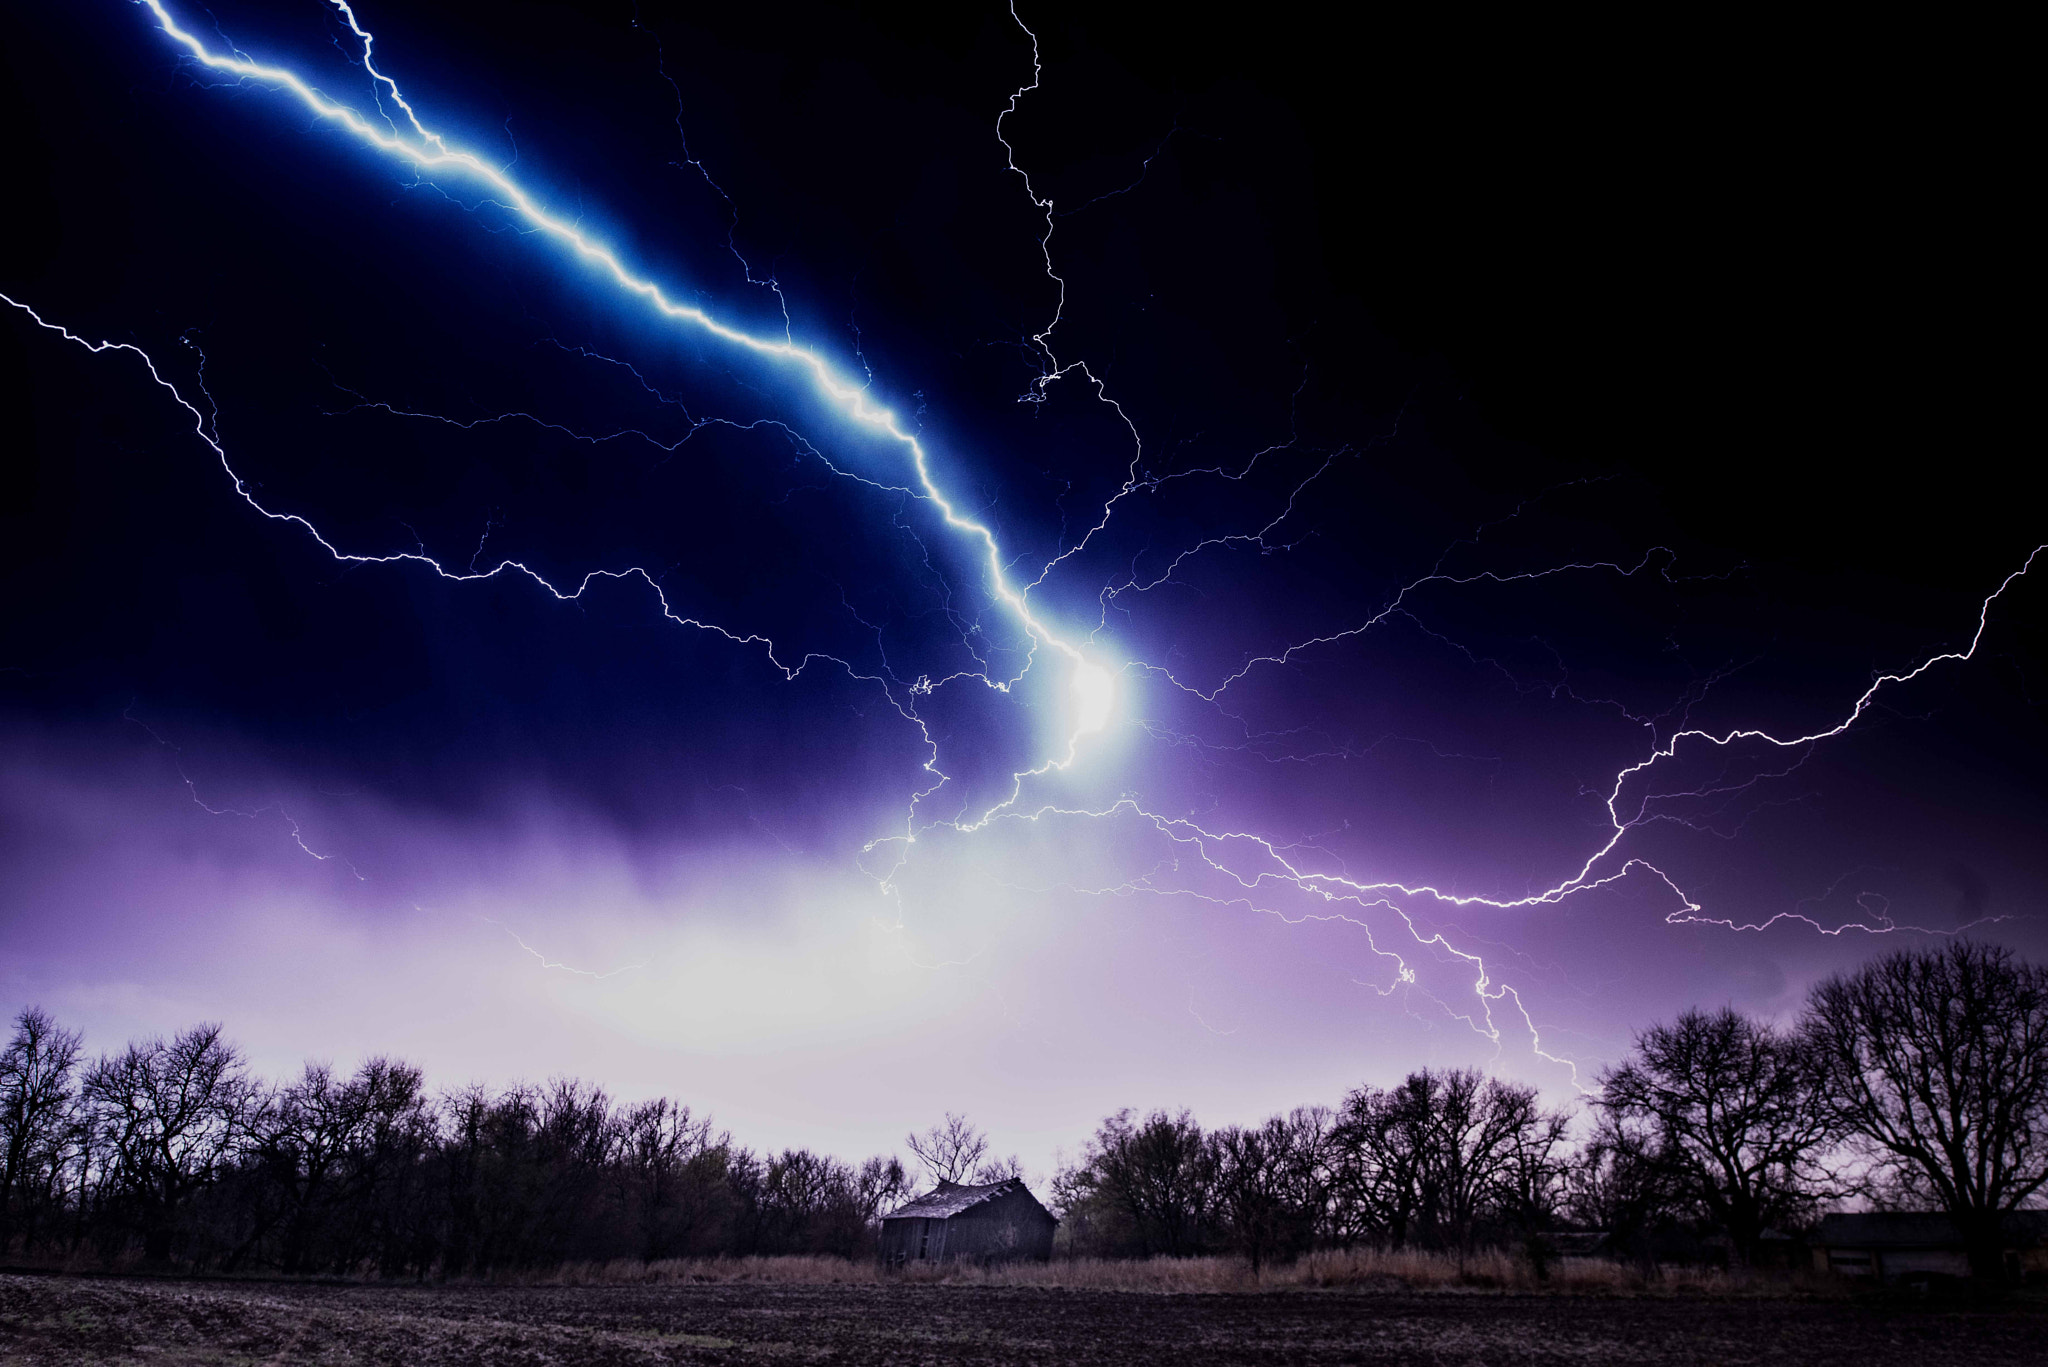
column 1920, row 1229
column 948, row 1199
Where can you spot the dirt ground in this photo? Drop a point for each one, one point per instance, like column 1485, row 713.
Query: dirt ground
column 62, row 1320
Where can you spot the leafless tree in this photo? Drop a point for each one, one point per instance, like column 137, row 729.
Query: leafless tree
column 36, row 1083
column 1269, row 1191
column 1529, row 1166
column 1143, row 1186
column 1619, row 1182
column 302, row 1147
column 991, row 1170
column 1733, row 1108
column 665, row 1156
column 878, row 1184
column 949, row 1151
column 814, row 1203
column 169, row 1117
column 1434, row 1156
column 1379, row 1144
column 329, row 1150
column 1937, row 1061
column 1474, row 1130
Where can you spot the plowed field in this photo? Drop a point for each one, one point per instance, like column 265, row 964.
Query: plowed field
column 62, row 1320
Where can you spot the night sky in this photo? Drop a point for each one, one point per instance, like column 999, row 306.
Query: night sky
column 1420, row 426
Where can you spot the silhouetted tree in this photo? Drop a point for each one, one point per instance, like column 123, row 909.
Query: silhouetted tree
column 36, row 1121
column 1735, row 1113
column 324, row 1153
column 1619, row 1182
column 1937, row 1061
column 949, row 1151
column 991, row 1170
column 814, row 1204
column 1268, row 1189
column 168, row 1118
column 1142, row 1186
column 1529, row 1167
column 1443, row 1152
column 880, row 1183
column 669, row 1164
column 1379, row 1147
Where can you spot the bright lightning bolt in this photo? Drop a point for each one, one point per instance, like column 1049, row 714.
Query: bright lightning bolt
column 428, row 154
column 1093, row 687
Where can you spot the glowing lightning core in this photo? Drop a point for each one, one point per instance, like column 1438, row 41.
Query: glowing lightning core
column 1094, row 690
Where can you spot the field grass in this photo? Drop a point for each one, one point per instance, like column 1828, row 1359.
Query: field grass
column 1360, row 1269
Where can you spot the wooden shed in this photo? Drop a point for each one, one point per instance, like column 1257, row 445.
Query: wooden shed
column 996, row 1222
column 1893, row 1245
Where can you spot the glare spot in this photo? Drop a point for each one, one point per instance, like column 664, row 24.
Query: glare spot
column 1094, row 697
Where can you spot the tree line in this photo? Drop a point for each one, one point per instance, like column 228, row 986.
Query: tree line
column 174, row 1150
column 1920, row 1081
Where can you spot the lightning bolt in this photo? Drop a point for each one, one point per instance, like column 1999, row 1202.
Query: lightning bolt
column 555, row 965
column 428, row 154
column 297, row 832
column 1251, row 862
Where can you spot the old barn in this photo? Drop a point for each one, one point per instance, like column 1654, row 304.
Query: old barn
column 996, row 1222
column 1907, row 1244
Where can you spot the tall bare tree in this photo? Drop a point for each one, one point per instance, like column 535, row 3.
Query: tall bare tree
column 878, row 1183
column 992, row 1170
column 1619, row 1182
column 1434, row 1156
column 1379, row 1144
column 1479, row 1135
column 326, row 1149
column 1269, row 1188
column 1937, row 1060
column 167, row 1119
column 36, row 1082
column 1142, row 1185
column 1733, row 1109
column 666, row 1154
column 949, row 1151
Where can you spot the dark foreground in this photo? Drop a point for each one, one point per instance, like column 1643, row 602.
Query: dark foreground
column 68, row 1320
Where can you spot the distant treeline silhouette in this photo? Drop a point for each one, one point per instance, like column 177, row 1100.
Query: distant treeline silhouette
column 1920, row 1080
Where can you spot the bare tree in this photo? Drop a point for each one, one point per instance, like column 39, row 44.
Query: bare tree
column 879, row 1182
column 1619, row 1182
column 168, row 1118
column 1474, row 1130
column 35, row 1119
column 1735, row 1111
column 1528, row 1177
column 992, row 1170
column 1142, row 1186
column 1938, row 1062
column 665, row 1156
column 949, row 1151
column 1268, row 1194
column 1433, row 1156
column 301, row 1148
column 1379, row 1144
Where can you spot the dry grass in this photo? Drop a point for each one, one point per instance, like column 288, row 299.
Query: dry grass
column 1359, row 1269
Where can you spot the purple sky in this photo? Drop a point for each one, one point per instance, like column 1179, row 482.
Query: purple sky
column 1402, row 512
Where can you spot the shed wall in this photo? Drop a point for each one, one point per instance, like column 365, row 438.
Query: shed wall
column 1009, row 1227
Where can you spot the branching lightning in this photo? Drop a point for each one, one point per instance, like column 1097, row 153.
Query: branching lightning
column 1248, row 865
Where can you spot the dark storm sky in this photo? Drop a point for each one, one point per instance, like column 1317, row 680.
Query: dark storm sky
column 1723, row 318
